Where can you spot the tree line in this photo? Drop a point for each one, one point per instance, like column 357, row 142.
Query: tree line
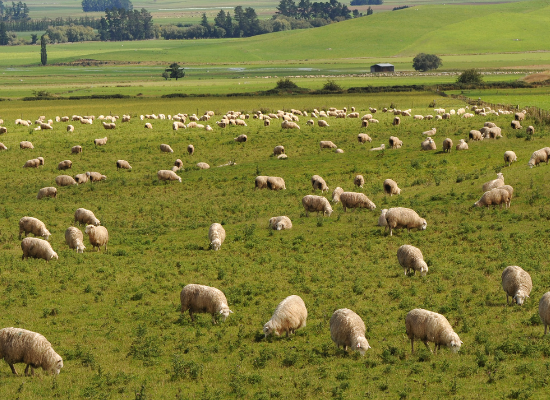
column 17, row 11
column 331, row 10
column 44, row 23
column 103, row 5
column 120, row 24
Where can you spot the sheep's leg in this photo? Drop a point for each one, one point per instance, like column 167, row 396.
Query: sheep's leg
column 214, row 319
column 427, row 346
column 191, row 315
column 287, row 333
column 13, row 369
column 27, row 370
column 506, row 298
column 545, row 326
column 412, row 346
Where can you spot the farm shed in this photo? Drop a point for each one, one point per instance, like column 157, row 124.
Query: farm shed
column 382, row 67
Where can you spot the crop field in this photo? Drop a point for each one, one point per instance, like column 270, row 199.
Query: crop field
column 114, row 316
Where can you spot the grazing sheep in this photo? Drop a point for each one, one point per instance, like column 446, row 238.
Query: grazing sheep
column 86, row 217
column 111, row 125
column 267, row 122
column 260, row 182
column 396, row 121
column 494, row 183
column 519, row 116
column 515, row 124
column 391, row 188
column 492, row 133
column 356, row 200
column 3, row 146
column 31, row 348
column 81, row 178
column 167, row 175
column 282, row 157
column 49, row 191
column 428, row 144
column 544, row 310
column 178, row 164
column 475, row 135
column 509, row 157
column 3, row 129
column 277, row 150
column 177, row 125
column 216, row 236
column 34, row 163
column 204, row 299
column 241, row 138
column 538, row 157
column 347, row 329
column 275, row 183
column 33, row 225
column 382, row 218
column 316, row 203
column 280, row 223
column 100, row 142
column 382, row 147
column 26, row 145
column 289, row 125
column 190, row 150
column 419, row 117
column 359, row 181
column 37, row 248
column 446, row 116
column 429, row 326
column 447, row 145
column 65, row 164
column 431, row 132
column 400, row 217
column 517, row 284
column 75, row 239
column 290, row 314
column 336, row 194
column 327, row 144
column 76, row 149
column 364, row 123
column 322, row 124
column 203, row 165
column 395, row 143
column 149, row 126
column 411, row 259
column 530, row 130
column 363, row 138
column 123, row 164
column 95, row 176
column 493, row 197
column 338, row 151
column 462, row 145
column 98, row 235
column 165, row 148
column 319, row 183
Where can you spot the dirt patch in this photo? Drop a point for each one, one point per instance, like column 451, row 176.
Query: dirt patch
column 538, row 77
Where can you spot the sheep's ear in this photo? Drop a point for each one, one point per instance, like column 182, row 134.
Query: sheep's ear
column 527, row 296
column 230, row 312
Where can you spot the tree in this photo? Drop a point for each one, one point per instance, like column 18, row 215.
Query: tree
column 174, row 71
column 43, row 53
column 3, row 34
column 370, row 11
column 165, row 75
column 34, row 38
column 426, row 62
column 470, row 76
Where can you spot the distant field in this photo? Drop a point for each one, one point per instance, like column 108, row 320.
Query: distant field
column 538, row 97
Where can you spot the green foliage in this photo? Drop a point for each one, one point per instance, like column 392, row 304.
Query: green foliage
column 470, row 76
column 285, row 84
column 173, row 71
column 43, row 51
column 426, row 62
column 332, row 86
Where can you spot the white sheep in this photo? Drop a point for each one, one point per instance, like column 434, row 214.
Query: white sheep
column 278, row 150
column 544, row 310
column 167, row 175
column 65, row 164
column 382, row 147
column 76, row 149
column 31, row 348
column 203, row 165
column 516, row 282
column 431, row 132
column 290, row 314
column 336, row 194
column 34, row 163
column 148, row 125
column 26, row 145
column 462, row 145
column 428, row 144
column 322, row 123
column 81, row 178
column 429, row 326
column 289, row 125
column 447, row 145
column 33, row 225
column 396, row 121
column 538, row 157
column 204, row 299
column 190, row 150
column 275, row 183
column 241, row 138
column 395, row 143
column 510, row 157
column 75, row 239
column 110, row 125
column 411, row 259
column 319, row 183
column 216, row 236
column 359, row 181
column 390, row 187
column 363, row 138
column 123, row 164
column 347, row 329
column 86, row 217
column 382, row 219
column 494, row 183
column 260, row 182
column 98, row 235
column 316, row 203
column 519, row 116
column 497, row 196
column 165, row 148
column 530, row 130
column 3, row 146
column 49, row 191
column 327, row 144
column 475, row 135
column 100, row 142
column 95, row 176
column 280, row 223
column 37, row 248
column 356, row 200
column 400, row 217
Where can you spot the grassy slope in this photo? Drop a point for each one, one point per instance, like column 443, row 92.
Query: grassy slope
column 114, row 319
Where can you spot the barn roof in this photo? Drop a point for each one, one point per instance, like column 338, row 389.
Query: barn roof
column 384, row 65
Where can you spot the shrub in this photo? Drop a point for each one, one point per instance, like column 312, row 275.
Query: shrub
column 470, row 76
column 332, row 86
column 286, row 84
column 426, row 62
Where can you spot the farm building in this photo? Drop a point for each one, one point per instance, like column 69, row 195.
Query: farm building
column 382, row 67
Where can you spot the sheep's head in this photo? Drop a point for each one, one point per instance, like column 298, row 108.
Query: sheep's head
column 89, row 228
column 56, row 363
column 224, row 312
column 424, row 224
column 520, row 297
column 216, row 244
column 80, row 248
column 46, row 234
column 280, row 225
column 423, row 268
column 500, row 176
column 362, row 345
column 328, row 210
column 455, row 343
column 268, row 329
column 54, row 255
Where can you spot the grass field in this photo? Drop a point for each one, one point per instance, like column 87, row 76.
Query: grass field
column 538, row 97
column 114, row 317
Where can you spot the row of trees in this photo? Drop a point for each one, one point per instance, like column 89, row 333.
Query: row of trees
column 103, row 5
column 43, row 24
column 17, row 11
column 120, row 24
column 71, row 33
column 332, row 10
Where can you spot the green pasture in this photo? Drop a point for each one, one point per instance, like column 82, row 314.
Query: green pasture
column 113, row 316
column 537, row 97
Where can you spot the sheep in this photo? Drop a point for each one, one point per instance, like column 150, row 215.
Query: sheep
column 327, row 144
column 428, row 144
column 76, row 149
column 364, row 123
column 111, row 125
column 530, row 130
column 240, row 122
column 316, row 203
column 100, row 142
column 37, row 248
column 322, row 123
column 429, row 326
column 496, row 196
column 419, row 117
column 204, row 299
column 260, row 182
column 3, row 146
column 33, row 225
column 347, row 329
column 538, row 157
column 431, row 132
column 81, row 178
column 519, row 116
column 98, row 235
column 190, row 149
column 267, row 122
column 203, row 165
column 493, row 133
column 363, row 137
column 3, row 129
column 319, row 183
column 356, row 200
column 31, row 348
column 515, row 124
column 177, row 125
column 165, row 148
column 26, row 145
column 49, row 191
column 45, row 126
column 148, row 125
column 290, row 314
column 95, row 176
column 447, row 145
column 400, row 217
column 396, row 121
column 241, row 138
column 75, row 239
column 280, row 223
column 275, row 183
column 65, row 164
column 216, row 236
column 517, row 284
column 395, row 143
column 382, row 147
column 509, row 157
column 446, row 116
column 123, row 164
column 391, row 188
column 282, row 157
column 167, row 175
column 462, row 145
column 34, row 163
column 494, row 183
column 489, row 124
column 411, row 259
column 382, row 219
column 277, row 150
column 289, row 125
column 544, row 310
column 359, row 181
column 86, row 217
column 336, row 194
